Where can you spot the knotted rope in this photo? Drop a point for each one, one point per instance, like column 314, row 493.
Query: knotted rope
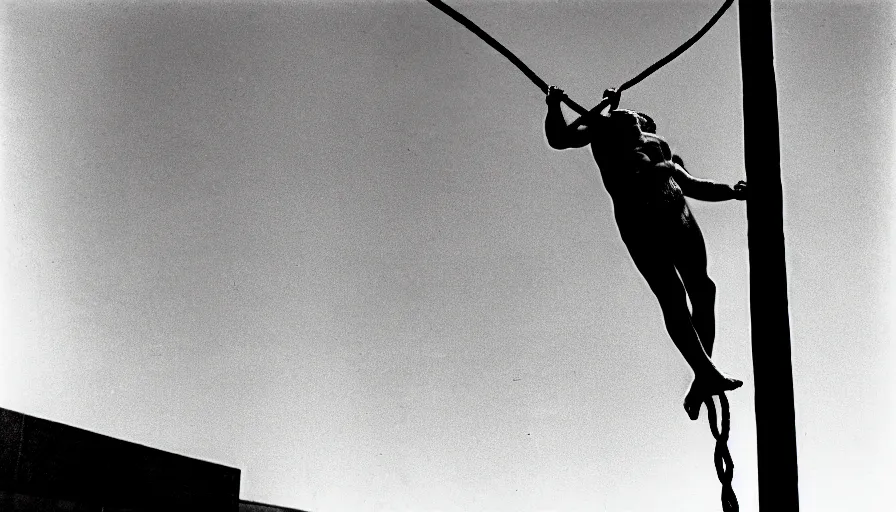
column 724, row 464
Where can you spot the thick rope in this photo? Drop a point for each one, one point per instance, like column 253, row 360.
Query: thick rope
column 722, row 457
column 460, row 18
column 472, row 27
column 678, row 51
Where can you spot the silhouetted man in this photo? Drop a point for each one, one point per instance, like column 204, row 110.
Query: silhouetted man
column 648, row 185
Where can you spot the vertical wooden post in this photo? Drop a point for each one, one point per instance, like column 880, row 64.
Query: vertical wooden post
column 775, row 429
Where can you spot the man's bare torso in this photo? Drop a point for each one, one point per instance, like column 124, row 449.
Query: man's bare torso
column 630, row 161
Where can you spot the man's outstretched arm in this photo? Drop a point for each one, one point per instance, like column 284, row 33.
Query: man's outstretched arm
column 704, row 189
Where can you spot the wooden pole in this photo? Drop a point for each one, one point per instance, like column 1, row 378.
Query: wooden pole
column 770, row 325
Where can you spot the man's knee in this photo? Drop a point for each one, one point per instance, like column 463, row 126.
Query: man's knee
column 709, row 288
column 703, row 294
column 672, row 297
column 701, row 288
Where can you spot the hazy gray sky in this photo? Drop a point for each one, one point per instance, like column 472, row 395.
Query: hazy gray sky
column 328, row 245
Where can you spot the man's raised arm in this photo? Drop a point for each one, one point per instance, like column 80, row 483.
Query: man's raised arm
column 561, row 135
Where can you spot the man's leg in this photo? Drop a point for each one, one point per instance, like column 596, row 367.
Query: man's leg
column 690, row 261
column 654, row 263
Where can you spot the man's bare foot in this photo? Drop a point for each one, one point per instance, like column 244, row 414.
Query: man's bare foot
column 717, row 387
column 693, row 401
column 703, row 389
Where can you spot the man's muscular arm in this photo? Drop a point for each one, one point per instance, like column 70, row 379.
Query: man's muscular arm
column 561, row 135
column 704, row 189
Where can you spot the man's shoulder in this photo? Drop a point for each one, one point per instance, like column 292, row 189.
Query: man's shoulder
column 623, row 115
column 652, row 137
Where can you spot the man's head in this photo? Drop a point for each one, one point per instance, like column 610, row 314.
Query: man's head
column 646, row 123
column 638, row 120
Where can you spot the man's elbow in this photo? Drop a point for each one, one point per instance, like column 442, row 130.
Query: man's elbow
column 557, row 142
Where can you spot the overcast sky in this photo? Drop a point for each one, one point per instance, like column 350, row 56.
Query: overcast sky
column 326, row 243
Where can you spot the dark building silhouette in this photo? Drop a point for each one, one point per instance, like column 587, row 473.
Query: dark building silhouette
column 251, row 506
column 48, row 466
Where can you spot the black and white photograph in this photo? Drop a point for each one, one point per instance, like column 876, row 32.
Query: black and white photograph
column 447, row 256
